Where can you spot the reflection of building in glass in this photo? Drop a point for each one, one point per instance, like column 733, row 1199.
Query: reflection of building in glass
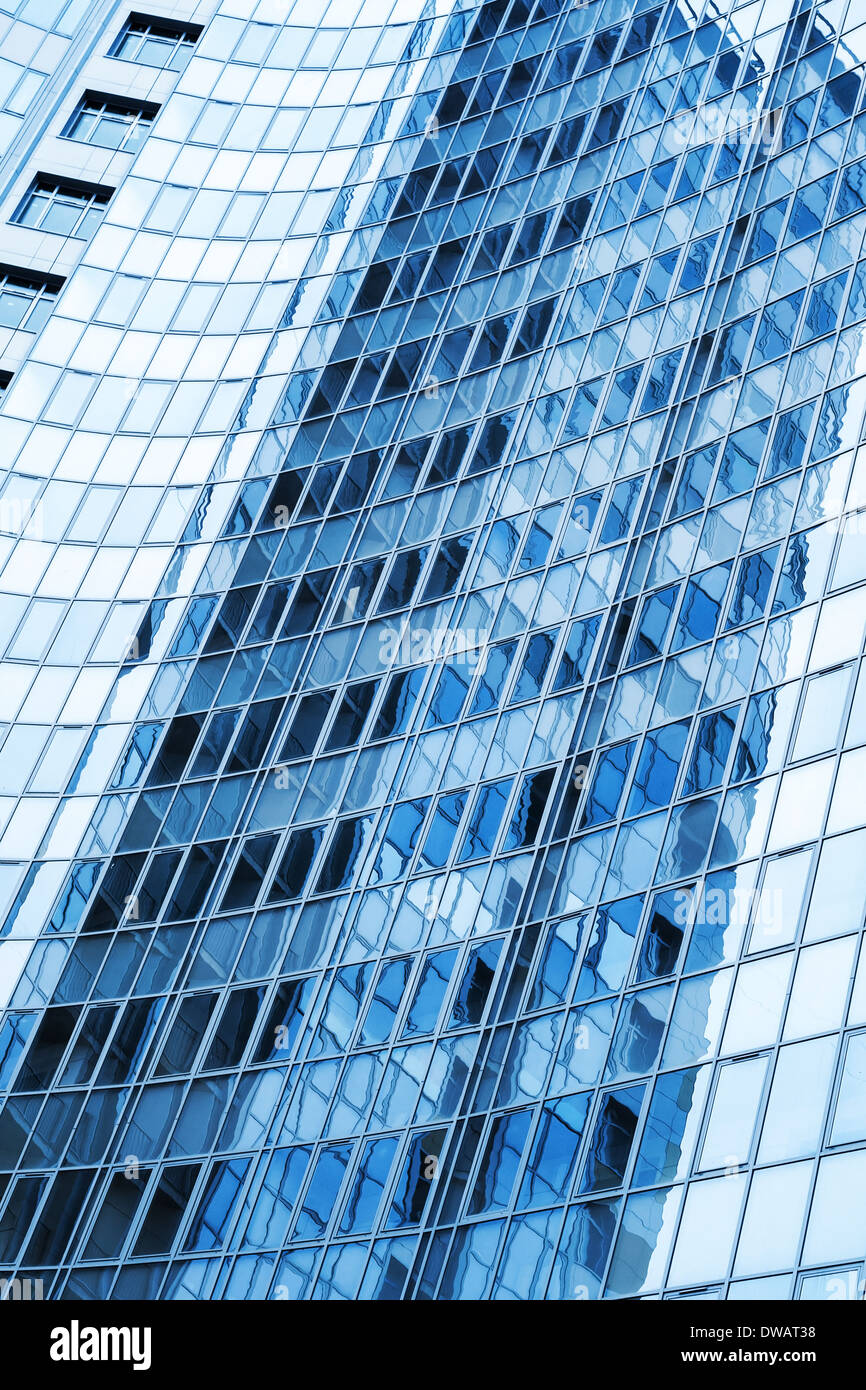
column 432, row 862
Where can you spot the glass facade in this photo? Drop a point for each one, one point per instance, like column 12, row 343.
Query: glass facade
column 431, row 700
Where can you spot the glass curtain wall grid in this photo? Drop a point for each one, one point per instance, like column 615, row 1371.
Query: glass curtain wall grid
column 432, row 607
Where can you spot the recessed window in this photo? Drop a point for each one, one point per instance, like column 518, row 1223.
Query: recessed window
column 26, row 300
column 159, row 43
column 59, row 205
column 110, row 122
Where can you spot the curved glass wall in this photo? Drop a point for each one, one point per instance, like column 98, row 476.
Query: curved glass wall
column 431, row 859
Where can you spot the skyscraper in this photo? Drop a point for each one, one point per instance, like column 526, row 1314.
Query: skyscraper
column 432, row 842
